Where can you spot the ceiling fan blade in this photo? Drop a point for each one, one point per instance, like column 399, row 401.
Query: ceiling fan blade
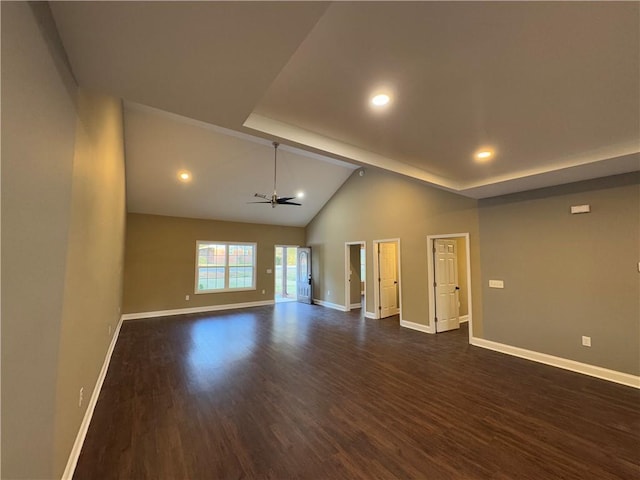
column 274, row 199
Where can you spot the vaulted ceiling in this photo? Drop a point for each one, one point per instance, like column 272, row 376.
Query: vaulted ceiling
column 551, row 88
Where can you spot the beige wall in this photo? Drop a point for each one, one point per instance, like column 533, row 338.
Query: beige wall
column 53, row 259
column 93, row 285
column 566, row 275
column 380, row 206
column 160, row 260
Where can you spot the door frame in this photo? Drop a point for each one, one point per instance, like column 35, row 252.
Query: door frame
column 274, row 268
column 376, row 274
column 347, row 273
column 431, row 278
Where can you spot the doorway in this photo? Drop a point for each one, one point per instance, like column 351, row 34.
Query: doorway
column 386, row 270
column 449, row 272
column 286, row 272
column 355, row 254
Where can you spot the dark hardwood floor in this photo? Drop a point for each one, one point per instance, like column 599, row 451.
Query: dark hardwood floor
column 303, row 392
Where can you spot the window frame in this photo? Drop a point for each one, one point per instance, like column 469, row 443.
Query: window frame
column 226, row 267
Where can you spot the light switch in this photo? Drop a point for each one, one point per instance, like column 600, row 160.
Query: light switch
column 496, row 283
column 269, row 270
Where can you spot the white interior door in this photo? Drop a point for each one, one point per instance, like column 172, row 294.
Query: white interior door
column 388, row 284
column 446, row 284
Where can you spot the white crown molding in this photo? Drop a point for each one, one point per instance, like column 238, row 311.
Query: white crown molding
column 232, row 133
column 602, row 162
column 344, row 150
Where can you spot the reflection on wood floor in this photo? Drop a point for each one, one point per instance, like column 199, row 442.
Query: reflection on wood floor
column 300, row 391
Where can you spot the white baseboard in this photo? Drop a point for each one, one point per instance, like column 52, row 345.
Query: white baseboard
column 579, row 367
column 183, row 311
column 370, row 315
column 335, row 306
column 464, row 318
column 88, row 414
column 355, row 305
column 416, row 326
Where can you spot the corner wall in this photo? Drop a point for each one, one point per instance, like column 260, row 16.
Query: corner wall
column 161, row 253
column 95, row 258
column 380, row 206
column 62, row 242
column 566, row 275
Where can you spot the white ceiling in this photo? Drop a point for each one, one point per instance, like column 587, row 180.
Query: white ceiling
column 553, row 87
column 227, row 169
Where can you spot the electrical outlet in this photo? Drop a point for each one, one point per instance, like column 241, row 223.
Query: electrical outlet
column 586, row 341
column 328, row 292
column 186, row 297
column 264, row 291
column 81, row 396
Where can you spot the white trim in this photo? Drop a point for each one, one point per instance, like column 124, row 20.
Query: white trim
column 182, row 311
column 335, row 306
column 370, row 315
column 227, row 267
column 609, row 160
column 355, row 306
column 564, row 363
column 463, row 318
column 276, row 128
column 284, row 269
column 347, row 273
column 233, row 133
column 415, row 326
column 88, row 414
column 376, row 274
column 431, row 279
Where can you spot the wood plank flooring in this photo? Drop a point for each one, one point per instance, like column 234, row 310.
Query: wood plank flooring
column 303, row 392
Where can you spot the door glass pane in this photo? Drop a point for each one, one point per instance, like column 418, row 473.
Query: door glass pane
column 302, row 271
column 290, row 283
column 279, row 271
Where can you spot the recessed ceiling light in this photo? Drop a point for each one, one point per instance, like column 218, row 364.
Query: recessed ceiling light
column 484, row 155
column 300, row 194
column 184, row 176
column 380, row 100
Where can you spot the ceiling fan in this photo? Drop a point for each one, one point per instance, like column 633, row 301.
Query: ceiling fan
column 274, row 199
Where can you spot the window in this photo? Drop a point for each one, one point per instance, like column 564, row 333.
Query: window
column 223, row 266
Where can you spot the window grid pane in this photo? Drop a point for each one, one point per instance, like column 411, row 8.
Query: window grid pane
column 213, row 260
